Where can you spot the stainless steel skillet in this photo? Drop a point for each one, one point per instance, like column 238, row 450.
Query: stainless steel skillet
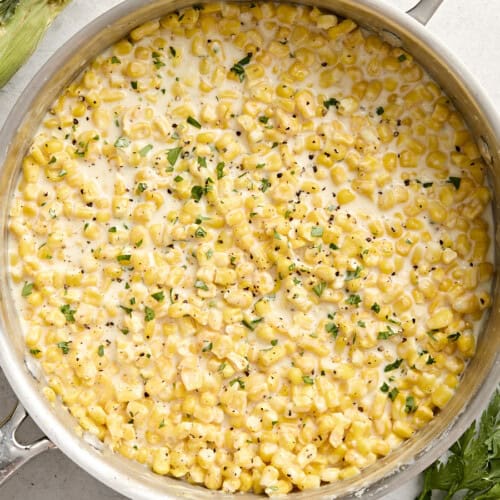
column 132, row 479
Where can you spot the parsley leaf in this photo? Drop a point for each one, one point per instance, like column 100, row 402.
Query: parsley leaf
column 455, row 181
column 27, row 289
column 145, row 150
column 201, row 285
column 319, row 288
column 173, row 154
column 352, row 275
column 473, row 463
column 197, row 193
column 316, row 231
column 68, row 313
column 393, row 366
column 251, row 325
column 353, row 300
column 149, row 314
column 264, row 185
column 64, row 346
column 220, row 170
column 122, row 142
column 332, row 329
column 207, row 347
column 238, row 381
column 238, row 68
column 331, row 102
column 158, row 296
column 193, row 122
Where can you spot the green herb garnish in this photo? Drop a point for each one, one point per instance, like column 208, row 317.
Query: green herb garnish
column 27, row 289
column 238, row 68
column 149, row 314
column 193, row 122
column 393, row 366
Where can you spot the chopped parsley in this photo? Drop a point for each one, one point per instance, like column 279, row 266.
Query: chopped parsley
column 410, row 405
column 319, row 288
column 149, row 314
column 331, row 102
column 200, row 233
column 145, row 150
column 127, row 310
column 197, row 193
column 173, row 154
column 193, row 122
column 252, row 324
column 238, row 381
column 393, row 366
column 207, row 347
column 353, row 300
column 386, row 333
column 264, row 185
column 68, row 313
column 375, row 307
column 393, row 393
column 380, row 110
column 455, row 181
column 238, row 68
column 100, row 351
column 220, row 170
column 27, row 289
column 308, row 380
column 141, row 187
column 332, row 329
column 64, row 346
column 316, row 231
column 201, row 285
column 122, row 142
column 352, row 275
column 158, row 296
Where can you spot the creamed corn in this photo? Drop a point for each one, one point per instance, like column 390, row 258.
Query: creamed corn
column 251, row 246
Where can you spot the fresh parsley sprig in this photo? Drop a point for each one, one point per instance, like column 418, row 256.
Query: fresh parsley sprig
column 473, row 465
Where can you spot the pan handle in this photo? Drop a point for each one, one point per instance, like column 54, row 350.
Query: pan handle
column 424, row 10
column 13, row 454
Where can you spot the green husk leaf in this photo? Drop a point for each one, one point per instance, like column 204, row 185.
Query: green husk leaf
column 7, row 10
column 22, row 25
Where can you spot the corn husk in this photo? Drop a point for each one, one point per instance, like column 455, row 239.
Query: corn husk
column 22, row 25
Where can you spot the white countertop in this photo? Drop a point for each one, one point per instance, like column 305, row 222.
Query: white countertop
column 468, row 27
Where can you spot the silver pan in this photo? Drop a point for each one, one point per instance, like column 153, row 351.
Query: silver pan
column 132, row 479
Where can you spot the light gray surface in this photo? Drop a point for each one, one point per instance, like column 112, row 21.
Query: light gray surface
column 468, row 27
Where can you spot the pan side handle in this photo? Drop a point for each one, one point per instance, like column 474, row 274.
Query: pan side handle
column 424, row 10
column 13, row 454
